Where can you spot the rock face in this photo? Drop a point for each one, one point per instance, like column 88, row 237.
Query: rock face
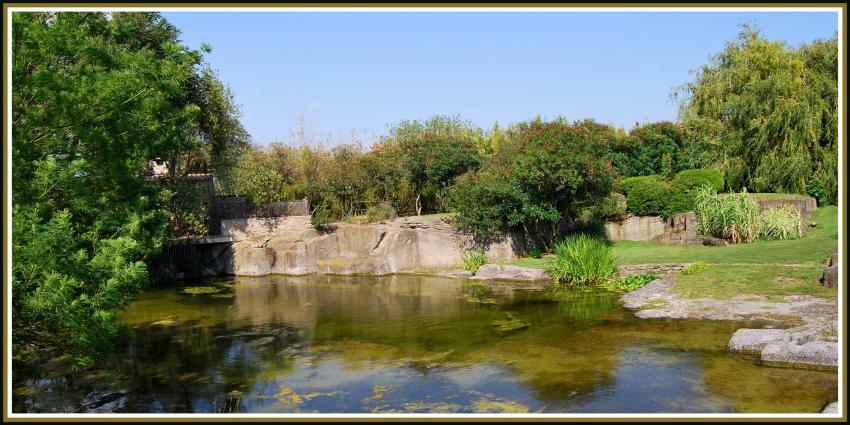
column 805, row 205
column 829, row 278
column 291, row 245
column 505, row 272
column 680, row 229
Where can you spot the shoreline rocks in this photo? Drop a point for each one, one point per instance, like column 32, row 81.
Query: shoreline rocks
column 807, row 340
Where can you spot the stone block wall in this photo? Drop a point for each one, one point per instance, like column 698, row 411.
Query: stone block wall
column 680, row 229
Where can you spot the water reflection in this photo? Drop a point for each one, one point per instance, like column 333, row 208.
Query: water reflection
column 417, row 344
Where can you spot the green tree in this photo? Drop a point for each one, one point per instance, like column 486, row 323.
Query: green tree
column 549, row 172
column 771, row 111
column 95, row 97
column 429, row 155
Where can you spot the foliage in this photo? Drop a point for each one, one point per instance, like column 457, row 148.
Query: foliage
column 694, row 268
column 429, row 155
column 645, row 195
column 473, row 260
column 381, row 212
column 661, row 148
column 95, row 99
column 320, row 216
column 684, row 185
column 780, row 223
column 582, row 260
column 550, row 171
column 630, row 283
column 771, row 111
column 733, row 216
column 535, row 253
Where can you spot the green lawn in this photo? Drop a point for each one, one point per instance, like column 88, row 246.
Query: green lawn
column 811, row 250
column 764, row 267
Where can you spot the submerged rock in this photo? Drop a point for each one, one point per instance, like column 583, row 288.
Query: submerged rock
column 455, row 273
column 506, row 272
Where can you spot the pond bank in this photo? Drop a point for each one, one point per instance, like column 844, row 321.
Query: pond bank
column 809, row 338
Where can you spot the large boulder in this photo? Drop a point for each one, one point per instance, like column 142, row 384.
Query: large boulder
column 829, row 278
column 290, row 245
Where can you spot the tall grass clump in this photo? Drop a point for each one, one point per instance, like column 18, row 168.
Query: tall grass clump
column 473, row 260
column 782, row 222
column 734, row 216
column 582, row 260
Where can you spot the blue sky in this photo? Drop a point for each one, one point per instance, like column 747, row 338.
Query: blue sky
column 357, row 72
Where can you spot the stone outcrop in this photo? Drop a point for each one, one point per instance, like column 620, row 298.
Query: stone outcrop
column 292, row 246
column 805, row 205
column 507, row 272
column 801, row 347
column 680, row 229
column 829, row 278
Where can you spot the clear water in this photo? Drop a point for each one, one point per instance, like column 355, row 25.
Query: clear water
column 415, row 344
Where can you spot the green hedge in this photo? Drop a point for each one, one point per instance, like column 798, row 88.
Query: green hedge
column 645, row 195
column 685, row 185
column 653, row 195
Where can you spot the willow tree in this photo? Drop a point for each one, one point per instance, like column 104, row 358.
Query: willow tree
column 771, row 113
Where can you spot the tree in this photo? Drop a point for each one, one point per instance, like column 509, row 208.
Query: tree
column 429, row 155
column 771, row 111
column 95, row 97
column 549, row 172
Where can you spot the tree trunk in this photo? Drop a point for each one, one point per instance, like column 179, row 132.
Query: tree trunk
column 418, row 205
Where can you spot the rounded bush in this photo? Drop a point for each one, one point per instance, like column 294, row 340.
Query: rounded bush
column 684, row 187
column 645, row 195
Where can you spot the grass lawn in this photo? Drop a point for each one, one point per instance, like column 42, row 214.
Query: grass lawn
column 763, row 267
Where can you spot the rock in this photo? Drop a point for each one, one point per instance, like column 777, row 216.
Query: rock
column 290, row 245
column 651, row 291
column 815, row 353
column 505, row 272
column 831, row 408
column 752, row 341
column 712, row 241
column 456, row 273
column 829, row 278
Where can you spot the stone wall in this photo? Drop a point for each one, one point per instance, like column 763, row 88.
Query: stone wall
column 651, row 268
column 291, row 245
column 680, row 229
column 803, row 204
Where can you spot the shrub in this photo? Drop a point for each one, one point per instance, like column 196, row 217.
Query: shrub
column 381, row 212
column 684, row 187
column 645, row 195
column 693, row 268
column 473, row 260
column 320, row 216
column 535, row 253
column 733, row 216
column 582, row 260
column 782, row 222
column 630, row 283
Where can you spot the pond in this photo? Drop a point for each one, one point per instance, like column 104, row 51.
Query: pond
column 411, row 343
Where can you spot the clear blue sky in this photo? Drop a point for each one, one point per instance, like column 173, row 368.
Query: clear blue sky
column 362, row 71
